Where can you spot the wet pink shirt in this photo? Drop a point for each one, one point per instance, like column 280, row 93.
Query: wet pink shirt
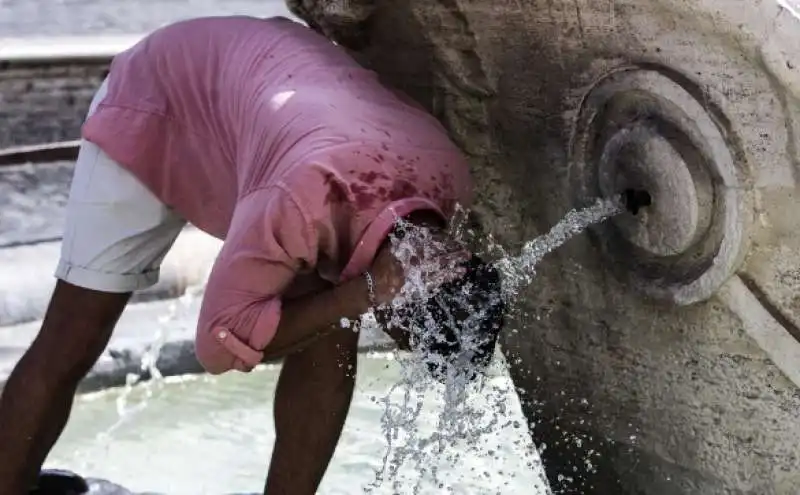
column 265, row 134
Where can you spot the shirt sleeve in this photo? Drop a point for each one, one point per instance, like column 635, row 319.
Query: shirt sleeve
column 267, row 243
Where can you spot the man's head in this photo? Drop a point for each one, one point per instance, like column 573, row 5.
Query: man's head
column 456, row 329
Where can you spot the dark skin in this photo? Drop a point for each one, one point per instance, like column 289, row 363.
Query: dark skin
column 38, row 395
column 311, row 402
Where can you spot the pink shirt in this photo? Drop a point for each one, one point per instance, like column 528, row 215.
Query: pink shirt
column 265, row 134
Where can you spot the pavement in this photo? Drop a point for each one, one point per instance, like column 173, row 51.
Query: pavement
column 91, row 29
column 31, row 19
column 65, row 47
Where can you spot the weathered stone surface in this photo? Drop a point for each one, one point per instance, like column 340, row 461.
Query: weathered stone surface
column 625, row 394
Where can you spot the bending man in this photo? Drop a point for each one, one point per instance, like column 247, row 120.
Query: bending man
column 264, row 134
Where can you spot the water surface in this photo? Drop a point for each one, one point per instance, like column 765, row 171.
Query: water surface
column 212, row 435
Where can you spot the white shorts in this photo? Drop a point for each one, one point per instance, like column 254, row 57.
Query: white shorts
column 117, row 232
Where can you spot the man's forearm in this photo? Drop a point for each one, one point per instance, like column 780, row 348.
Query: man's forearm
column 306, row 319
column 311, row 404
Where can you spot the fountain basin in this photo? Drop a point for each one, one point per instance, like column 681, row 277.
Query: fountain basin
column 214, row 435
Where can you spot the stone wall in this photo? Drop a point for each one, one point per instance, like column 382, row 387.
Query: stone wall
column 626, row 394
column 45, row 102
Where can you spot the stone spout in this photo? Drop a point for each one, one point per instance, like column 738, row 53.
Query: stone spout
column 659, row 354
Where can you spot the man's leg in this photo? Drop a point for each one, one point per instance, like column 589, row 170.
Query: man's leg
column 116, row 236
column 37, row 398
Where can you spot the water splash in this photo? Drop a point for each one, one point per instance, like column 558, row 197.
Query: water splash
column 459, row 422
column 519, row 271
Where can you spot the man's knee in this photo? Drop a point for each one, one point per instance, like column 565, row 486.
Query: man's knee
column 76, row 328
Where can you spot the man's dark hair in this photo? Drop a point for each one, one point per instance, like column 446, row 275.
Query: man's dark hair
column 456, row 330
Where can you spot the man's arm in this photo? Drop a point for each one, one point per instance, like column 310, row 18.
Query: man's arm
column 311, row 404
column 316, row 384
column 311, row 317
column 37, row 398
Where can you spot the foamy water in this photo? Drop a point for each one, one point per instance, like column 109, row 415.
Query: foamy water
column 32, row 199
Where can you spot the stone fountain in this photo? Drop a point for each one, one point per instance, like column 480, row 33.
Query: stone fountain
column 661, row 353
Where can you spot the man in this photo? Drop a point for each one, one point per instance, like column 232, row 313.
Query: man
column 264, row 134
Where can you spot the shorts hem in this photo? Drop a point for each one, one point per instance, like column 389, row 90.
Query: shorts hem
column 105, row 281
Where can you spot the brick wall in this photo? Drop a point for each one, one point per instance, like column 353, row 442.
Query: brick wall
column 45, row 102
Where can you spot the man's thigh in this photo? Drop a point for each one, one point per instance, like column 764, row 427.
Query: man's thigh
column 117, row 232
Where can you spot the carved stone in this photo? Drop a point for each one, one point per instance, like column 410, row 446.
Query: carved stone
column 658, row 354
